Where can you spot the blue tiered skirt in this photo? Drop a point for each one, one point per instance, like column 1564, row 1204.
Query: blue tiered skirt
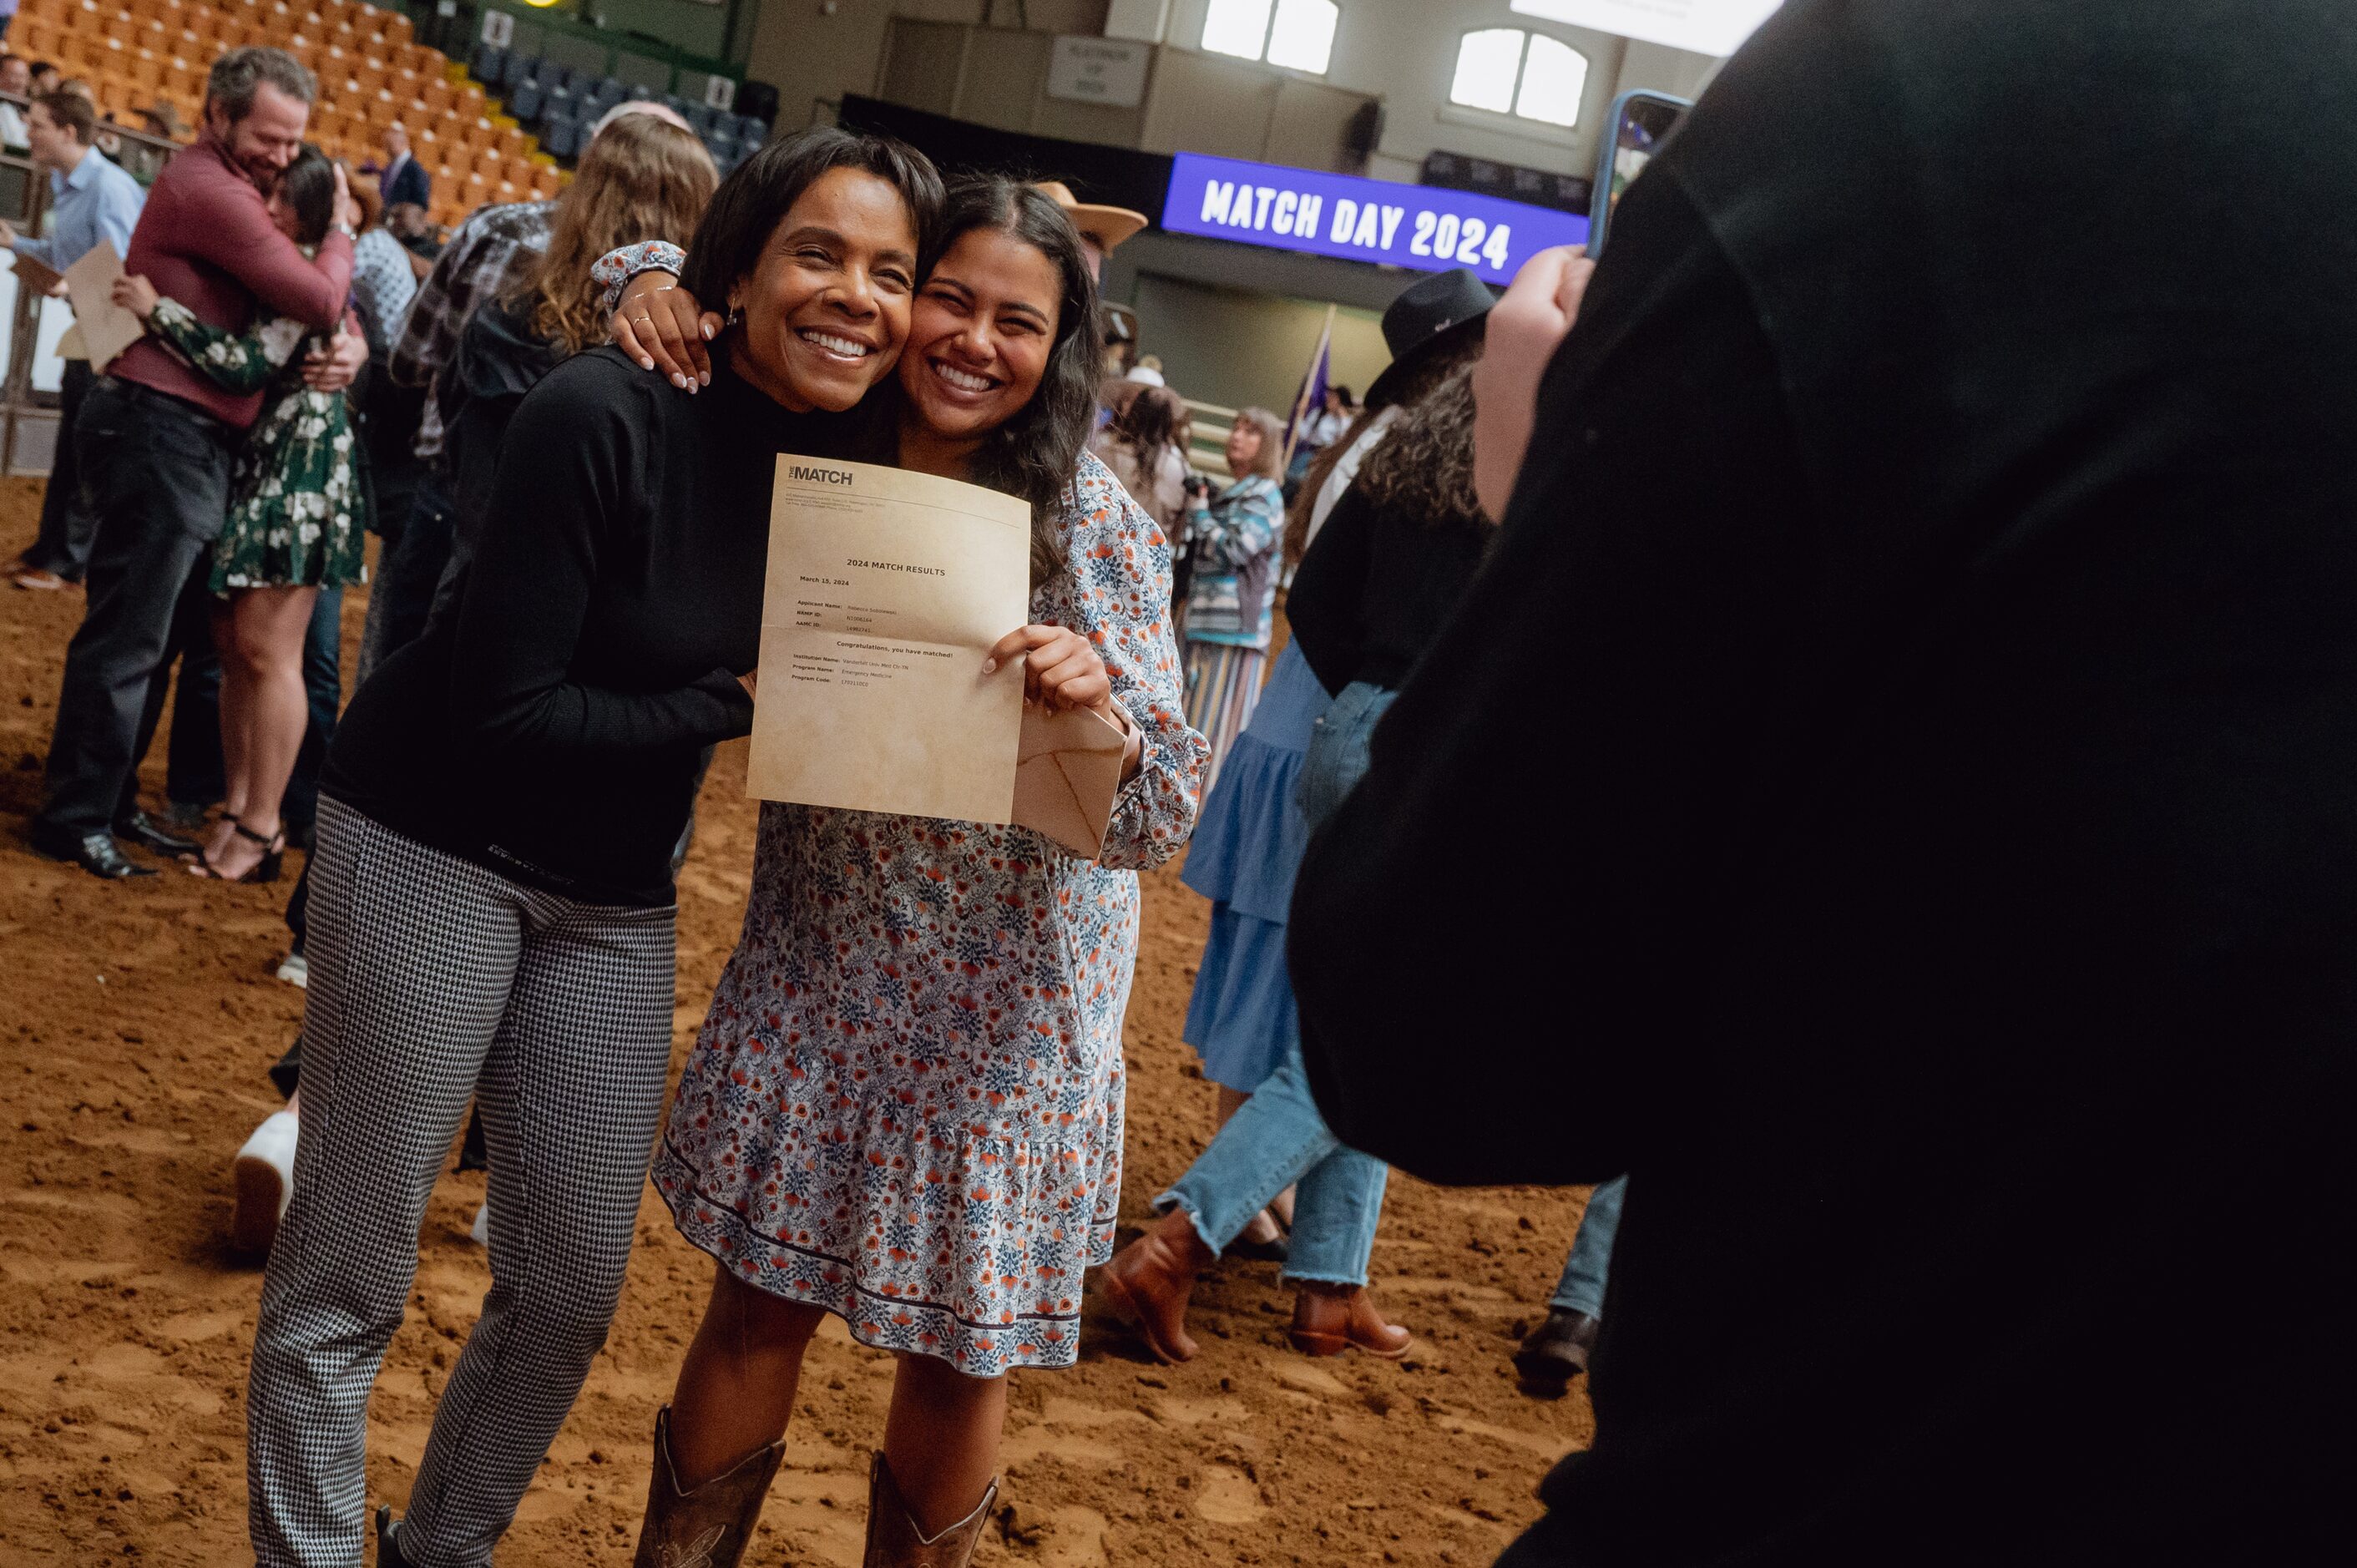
column 1248, row 842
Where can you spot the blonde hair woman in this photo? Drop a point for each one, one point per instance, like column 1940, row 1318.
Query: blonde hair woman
column 1232, row 539
column 643, row 177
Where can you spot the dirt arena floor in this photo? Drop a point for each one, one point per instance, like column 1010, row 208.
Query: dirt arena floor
column 136, row 1022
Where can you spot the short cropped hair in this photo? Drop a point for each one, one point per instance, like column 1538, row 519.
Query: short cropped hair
column 71, row 111
column 239, row 74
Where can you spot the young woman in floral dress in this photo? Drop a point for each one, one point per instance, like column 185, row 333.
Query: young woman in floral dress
column 906, row 1105
column 297, row 524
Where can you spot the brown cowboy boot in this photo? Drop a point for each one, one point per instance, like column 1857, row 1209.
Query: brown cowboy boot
column 894, row 1541
column 710, row 1526
column 1328, row 1319
column 1150, row 1280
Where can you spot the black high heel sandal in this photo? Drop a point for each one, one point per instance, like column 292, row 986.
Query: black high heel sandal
column 266, row 869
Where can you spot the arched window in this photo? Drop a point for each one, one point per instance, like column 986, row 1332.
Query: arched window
column 1509, row 71
column 1296, row 34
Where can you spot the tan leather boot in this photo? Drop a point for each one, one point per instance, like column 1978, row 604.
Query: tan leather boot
column 1148, row 1283
column 1328, row 1319
column 710, row 1526
column 894, row 1541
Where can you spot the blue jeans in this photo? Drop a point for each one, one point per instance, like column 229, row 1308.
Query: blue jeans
column 1278, row 1138
column 1337, row 755
column 1581, row 1288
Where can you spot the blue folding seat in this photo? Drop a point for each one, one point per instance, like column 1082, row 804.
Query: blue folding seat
column 523, row 101
column 560, row 138
column 488, row 63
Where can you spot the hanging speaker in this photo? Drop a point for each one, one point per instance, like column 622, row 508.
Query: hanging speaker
column 1364, row 132
column 759, row 99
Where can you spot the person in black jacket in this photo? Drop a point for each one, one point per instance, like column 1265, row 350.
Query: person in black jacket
column 644, row 176
column 1890, row 792
column 493, row 906
column 1380, row 578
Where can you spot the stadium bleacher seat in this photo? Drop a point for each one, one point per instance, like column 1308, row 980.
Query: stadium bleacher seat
column 372, row 70
column 562, row 137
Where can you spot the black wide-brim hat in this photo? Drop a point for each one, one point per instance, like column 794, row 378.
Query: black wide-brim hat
column 1431, row 314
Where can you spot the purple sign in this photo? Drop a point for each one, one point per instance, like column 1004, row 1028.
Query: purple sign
column 1418, row 226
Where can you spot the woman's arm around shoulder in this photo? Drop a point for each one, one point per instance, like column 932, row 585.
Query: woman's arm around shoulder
column 1119, row 582
column 234, row 363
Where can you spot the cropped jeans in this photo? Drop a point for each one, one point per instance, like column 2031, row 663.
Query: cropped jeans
column 1278, row 1138
column 1581, row 1288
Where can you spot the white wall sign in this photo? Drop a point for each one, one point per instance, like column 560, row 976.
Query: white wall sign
column 497, row 28
column 719, row 92
column 1099, row 70
column 1706, row 27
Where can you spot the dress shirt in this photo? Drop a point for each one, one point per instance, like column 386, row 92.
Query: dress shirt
column 97, row 201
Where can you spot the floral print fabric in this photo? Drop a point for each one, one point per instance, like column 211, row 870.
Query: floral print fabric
column 905, row 1105
column 298, row 514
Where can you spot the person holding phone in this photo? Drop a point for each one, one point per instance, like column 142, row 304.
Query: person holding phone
column 1901, row 741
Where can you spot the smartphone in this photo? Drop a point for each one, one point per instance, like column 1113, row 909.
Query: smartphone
column 1641, row 124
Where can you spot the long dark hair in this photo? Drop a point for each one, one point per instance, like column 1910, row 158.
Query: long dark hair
column 308, row 186
column 752, row 201
column 1036, row 454
column 1151, row 421
column 1422, row 468
column 1412, row 388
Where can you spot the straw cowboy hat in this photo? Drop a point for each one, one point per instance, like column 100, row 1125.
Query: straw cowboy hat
column 1108, row 226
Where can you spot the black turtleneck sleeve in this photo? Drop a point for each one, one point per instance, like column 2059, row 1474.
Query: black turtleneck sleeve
column 550, row 724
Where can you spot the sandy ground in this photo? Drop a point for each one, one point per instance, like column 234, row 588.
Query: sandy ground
column 136, row 1022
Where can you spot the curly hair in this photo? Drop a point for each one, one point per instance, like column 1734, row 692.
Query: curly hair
column 643, row 178
column 1436, row 476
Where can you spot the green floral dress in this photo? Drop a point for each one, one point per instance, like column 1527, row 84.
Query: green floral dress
column 298, row 512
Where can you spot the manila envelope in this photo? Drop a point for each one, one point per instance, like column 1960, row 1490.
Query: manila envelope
column 1067, row 772
column 34, row 275
column 106, row 328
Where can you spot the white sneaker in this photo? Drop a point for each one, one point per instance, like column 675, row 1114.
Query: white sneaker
column 265, row 1178
column 482, row 1229
column 295, row 970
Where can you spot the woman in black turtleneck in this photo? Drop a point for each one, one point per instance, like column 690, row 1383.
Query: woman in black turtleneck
column 491, row 905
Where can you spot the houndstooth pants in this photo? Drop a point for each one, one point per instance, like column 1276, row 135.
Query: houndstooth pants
column 432, row 980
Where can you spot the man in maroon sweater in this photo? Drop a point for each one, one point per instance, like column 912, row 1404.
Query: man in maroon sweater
column 155, row 441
